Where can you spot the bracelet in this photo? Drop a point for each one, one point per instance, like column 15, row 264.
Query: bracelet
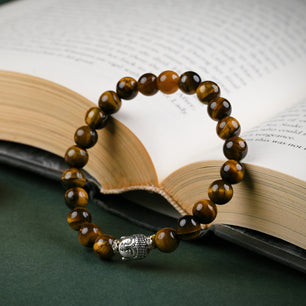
column 204, row 211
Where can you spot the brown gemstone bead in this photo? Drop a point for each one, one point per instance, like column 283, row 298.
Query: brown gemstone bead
column 76, row 197
column 109, row 102
column 204, row 211
column 220, row 192
column 85, row 137
column 73, row 177
column 95, row 118
column 103, row 246
column 228, row 127
column 147, row 84
column 166, row 240
column 219, row 108
column 208, row 91
column 127, row 88
column 189, row 82
column 232, row 171
column 76, row 157
column 88, row 234
column 188, row 227
column 167, row 82
column 77, row 217
column 235, row 148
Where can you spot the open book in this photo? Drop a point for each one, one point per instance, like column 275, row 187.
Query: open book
column 56, row 58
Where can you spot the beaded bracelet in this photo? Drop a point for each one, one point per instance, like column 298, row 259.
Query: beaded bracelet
column 204, row 211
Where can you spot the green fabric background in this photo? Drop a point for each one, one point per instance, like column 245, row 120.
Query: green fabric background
column 42, row 263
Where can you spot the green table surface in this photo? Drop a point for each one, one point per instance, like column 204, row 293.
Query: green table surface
column 42, row 262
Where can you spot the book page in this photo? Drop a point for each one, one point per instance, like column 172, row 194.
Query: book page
column 256, row 52
column 280, row 143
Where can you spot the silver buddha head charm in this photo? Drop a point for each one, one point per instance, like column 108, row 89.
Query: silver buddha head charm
column 133, row 247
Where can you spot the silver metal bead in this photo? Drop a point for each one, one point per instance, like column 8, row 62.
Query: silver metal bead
column 133, row 247
column 115, row 246
column 150, row 242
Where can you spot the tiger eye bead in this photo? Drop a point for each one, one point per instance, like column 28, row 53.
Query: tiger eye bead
column 205, row 211
column 147, row 84
column 77, row 217
column 109, row 102
column 188, row 227
column 235, row 148
column 73, row 177
column 103, row 246
column 208, row 91
column 232, row 171
column 85, row 137
column 189, row 82
column 167, row 82
column 127, row 88
column 220, row 192
column 76, row 197
column 228, row 127
column 76, row 157
column 219, row 108
column 95, row 118
column 166, row 240
column 88, row 234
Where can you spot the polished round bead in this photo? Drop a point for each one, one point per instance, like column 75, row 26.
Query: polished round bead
column 166, row 240
column 77, row 217
column 103, row 246
column 73, row 177
column 188, row 227
column 95, row 118
column 208, row 91
column 76, row 197
column 109, row 102
column 85, row 137
column 204, row 211
column 147, row 84
column 167, row 82
column 219, row 108
column 228, row 127
column 235, row 148
column 220, row 192
column 88, row 234
column 76, row 157
column 232, row 171
column 127, row 88
column 189, row 82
